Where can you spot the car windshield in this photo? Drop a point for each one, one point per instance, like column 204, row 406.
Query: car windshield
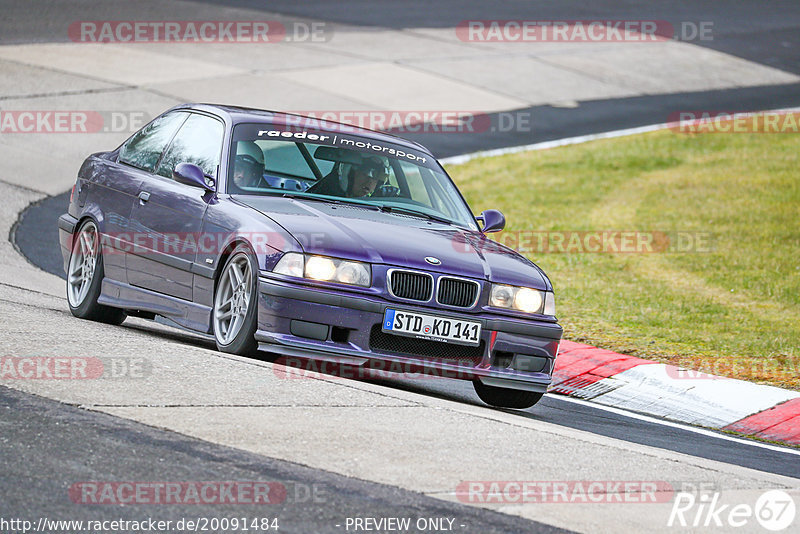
column 335, row 167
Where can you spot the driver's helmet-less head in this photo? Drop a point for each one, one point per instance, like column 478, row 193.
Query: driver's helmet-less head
column 248, row 166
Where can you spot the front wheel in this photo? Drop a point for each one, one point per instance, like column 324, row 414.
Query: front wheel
column 506, row 397
column 85, row 276
column 235, row 315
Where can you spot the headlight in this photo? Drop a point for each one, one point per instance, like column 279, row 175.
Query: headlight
column 320, row 268
column 528, row 300
column 524, row 299
column 325, row 269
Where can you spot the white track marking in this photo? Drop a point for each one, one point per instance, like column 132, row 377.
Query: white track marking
column 463, row 158
column 688, row 428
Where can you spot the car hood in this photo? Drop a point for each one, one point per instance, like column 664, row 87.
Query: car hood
column 365, row 234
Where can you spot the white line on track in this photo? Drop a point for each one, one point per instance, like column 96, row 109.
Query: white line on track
column 463, row 158
column 688, row 428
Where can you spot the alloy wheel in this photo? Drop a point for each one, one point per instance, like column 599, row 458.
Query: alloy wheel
column 232, row 299
column 82, row 264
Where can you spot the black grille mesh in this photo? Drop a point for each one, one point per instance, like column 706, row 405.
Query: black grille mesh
column 412, row 286
column 380, row 341
column 455, row 292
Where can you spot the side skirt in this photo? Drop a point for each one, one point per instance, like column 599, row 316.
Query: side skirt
column 185, row 313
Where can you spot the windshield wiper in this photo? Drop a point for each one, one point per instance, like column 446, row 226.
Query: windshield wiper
column 329, row 200
column 413, row 213
column 377, row 207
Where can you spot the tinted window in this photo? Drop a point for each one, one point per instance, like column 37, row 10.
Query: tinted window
column 416, row 184
column 285, row 157
column 145, row 147
column 365, row 171
column 199, row 141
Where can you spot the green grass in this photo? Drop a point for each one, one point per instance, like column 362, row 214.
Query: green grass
column 733, row 310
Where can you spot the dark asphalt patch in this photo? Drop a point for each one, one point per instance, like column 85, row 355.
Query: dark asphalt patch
column 36, row 233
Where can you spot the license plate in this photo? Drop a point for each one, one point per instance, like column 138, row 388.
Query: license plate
column 432, row 327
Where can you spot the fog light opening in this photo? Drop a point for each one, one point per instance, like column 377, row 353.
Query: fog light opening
column 502, row 359
column 339, row 334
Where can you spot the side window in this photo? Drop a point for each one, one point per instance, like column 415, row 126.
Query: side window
column 199, row 141
column 143, row 149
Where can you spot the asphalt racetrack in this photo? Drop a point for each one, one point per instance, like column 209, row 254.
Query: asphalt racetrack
column 374, row 448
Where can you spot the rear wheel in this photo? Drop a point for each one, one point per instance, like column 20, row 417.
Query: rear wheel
column 235, row 305
column 506, row 397
column 85, row 276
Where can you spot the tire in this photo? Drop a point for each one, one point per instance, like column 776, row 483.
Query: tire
column 85, row 277
column 506, row 397
column 234, row 315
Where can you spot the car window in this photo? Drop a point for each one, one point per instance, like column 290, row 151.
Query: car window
column 199, row 141
column 285, row 157
column 333, row 167
column 416, row 186
column 144, row 149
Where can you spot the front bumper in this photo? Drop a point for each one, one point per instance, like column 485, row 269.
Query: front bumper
column 306, row 321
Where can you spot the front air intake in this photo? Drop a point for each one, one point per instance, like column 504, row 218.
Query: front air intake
column 457, row 292
column 411, row 285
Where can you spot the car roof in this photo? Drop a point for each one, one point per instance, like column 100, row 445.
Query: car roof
column 238, row 115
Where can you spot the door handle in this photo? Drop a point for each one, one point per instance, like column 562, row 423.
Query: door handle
column 144, row 196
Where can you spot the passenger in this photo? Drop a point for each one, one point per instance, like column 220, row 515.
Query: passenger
column 248, row 166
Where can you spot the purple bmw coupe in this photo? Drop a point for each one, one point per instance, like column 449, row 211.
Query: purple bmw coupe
column 308, row 239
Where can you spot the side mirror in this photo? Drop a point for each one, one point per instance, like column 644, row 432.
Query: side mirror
column 493, row 221
column 191, row 174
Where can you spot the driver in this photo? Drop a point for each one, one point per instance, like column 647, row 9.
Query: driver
column 362, row 179
column 248, row 166
column 365, row 177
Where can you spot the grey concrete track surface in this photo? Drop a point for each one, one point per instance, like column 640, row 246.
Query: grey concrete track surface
column 87, row 447
column 356, row 429
column 415, row 437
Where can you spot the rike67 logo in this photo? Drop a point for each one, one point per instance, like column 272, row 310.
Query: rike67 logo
column 774, row 510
